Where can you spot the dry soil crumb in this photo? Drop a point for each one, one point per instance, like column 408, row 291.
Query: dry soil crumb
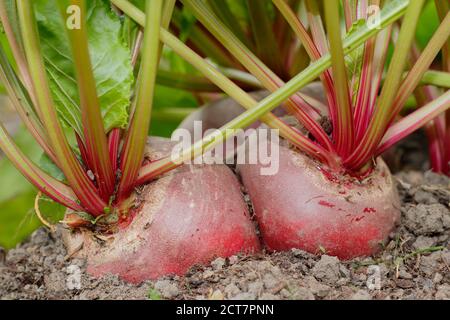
column 414, row 265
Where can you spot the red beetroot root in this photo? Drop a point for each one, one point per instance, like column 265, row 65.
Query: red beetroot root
column 302, row 207
column 189, row 216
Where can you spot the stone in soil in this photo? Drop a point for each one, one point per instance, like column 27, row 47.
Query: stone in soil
column 168, row 289
column 327, row 269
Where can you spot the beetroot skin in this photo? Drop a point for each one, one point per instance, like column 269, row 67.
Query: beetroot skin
column 189, row 216
column 303, row 207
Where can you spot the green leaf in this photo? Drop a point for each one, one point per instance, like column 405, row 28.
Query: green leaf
column 240, row 10
column 46, row 164
column 187, row 22
column 17, row 219
column 11, row 10
column 12, row 183
column 139, row 3
column 52, row 211
column 13, row 20
column 110, row 58
column 166, row 97
column 428, row 24
column 154, row 294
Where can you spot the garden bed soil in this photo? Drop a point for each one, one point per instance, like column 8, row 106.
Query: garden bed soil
column 414, row 265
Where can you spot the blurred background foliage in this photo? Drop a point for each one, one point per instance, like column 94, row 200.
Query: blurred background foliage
column 17, row 196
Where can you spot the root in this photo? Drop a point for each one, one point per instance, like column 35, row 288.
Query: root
column 74, row 252
column 52, row 227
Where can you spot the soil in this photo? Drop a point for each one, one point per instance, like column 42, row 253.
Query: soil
column 414, row 265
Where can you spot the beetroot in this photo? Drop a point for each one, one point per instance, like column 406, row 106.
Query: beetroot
column 189, row 216
column 311, row 209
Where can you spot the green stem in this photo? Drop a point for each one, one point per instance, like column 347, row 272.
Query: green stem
column 308, row 44
column 136, row 139
column 443, row 7
column 343, row 128
column 420, row 67
column 234, row 91
column 241, row 76
column 166, row 17
column 82, row 186
column 136, row 47
column 45, row 183
column 266, row 45
column 350, row 12
column 201, row 40
column 167, row 12
column 185, row 82
column 94, row 132
column 22, row 104
column 316, row 26
column 174, row 114
column 222, row 10
column 414, row 121
column 365, row 81
column 296, row 104
column 16, row 49
column 436, row 78
column 378, row 124
column 244, row 99
column 390, row 13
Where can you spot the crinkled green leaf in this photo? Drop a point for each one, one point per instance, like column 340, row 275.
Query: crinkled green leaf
column 110, row 57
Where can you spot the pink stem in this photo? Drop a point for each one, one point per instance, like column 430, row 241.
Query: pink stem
column 113, row 144
column 435, row 148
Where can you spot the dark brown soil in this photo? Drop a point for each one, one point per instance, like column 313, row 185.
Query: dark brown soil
column 414, row 265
